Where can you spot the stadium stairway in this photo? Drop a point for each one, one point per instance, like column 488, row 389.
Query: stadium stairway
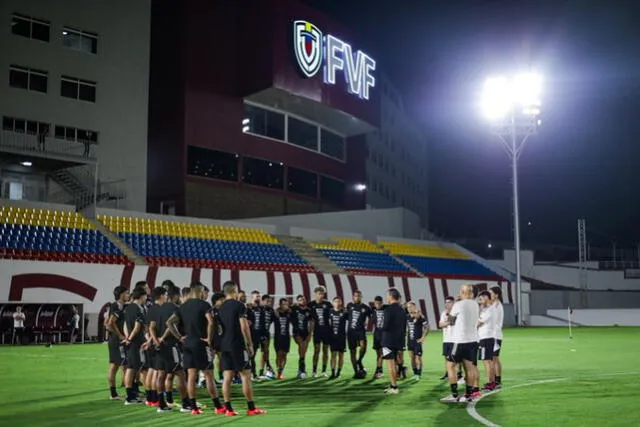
column 310, row 254
column 118, row 243
column 403, row 262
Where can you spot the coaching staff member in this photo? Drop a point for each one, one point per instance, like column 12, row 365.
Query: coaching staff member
column 236, row 348
column 393, row 333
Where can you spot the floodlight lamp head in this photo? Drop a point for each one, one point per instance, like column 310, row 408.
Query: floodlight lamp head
column 519, row 95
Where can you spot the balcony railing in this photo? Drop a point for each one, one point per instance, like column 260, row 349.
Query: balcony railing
column 33, row 145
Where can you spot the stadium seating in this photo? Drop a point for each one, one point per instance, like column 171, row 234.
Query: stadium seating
column 438, row 260
column 45, row 235
column 362, row 257
column 182, row 244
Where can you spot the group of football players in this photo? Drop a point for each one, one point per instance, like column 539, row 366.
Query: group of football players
column 178, row 335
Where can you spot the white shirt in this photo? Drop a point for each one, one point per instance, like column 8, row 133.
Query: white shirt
column 465, row 329
column 18, row 320
column 488, row 327
column 446, row 331
column 75, row 321
column 498, row 319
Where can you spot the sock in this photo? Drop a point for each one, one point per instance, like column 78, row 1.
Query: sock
column 333, row 372
column 379, row 370
column 360, row 365
column 113, row 391
column 301, row 365
column 185, row 402
column 339, row 372
column 419, row 371
column 469, row 389
column 130, row 393
column 216, row 403
column 163, row 404
column 147, row 395
column 251, row 405
column 324, row 368
column 193, row 404
column 415, row 371
column 154, row 396
column 454, row 389
column 355, row 367
column 394, row 386
column 262, row 372
column 498, row 379
column 228, row 406
column 475, row 389
column 169, row 396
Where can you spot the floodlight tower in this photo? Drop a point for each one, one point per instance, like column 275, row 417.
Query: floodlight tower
column 513, row 106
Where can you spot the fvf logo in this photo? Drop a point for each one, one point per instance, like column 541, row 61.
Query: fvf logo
column 313, row 50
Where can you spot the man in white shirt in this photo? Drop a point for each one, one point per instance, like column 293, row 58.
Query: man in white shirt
column 447, row 343
column 74, row 324
column 498, row 320
column 18, row 325
column 464, row 334
column 486, row 334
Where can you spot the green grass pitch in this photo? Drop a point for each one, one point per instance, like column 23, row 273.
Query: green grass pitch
column 591, row 380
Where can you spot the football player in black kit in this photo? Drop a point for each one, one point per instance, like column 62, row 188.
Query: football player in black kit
column 302, row 327
column 236, row 349
column 115, row 325
column 216, row 302
column 320, row 309
column 155, row 396
column 199, row 329
column 282, row 335
column 255, row 318
column 338, row 317
column 356, row 336
column 393, row 335
column 378, row 313
column 417, row 330
column 265, row 335
column 134, row 338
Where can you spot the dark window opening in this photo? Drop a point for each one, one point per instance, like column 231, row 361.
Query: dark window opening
column 19, row 78
column 332, row 191
column 303, row 134
column 332, row 144
column 302, row 182
column 263, row 173
column 264, row 122
column 212, row 164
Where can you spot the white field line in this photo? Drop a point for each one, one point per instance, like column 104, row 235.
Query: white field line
column 471, row 407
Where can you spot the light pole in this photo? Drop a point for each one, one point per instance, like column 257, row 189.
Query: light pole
column 513, row 106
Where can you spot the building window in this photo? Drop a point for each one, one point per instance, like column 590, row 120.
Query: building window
column 332, row 144
column 332, row 190
column 263, row 173
column 302, row 133
column 302, row 182
column 15, row 190
column 31, row 28
column 73, row 134
column 264, row 122
column 84, row 90
column 212, row 164
column 24, row 126
column 28, row 79
column 82, row 41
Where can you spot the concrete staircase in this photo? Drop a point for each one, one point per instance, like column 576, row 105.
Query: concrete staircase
column 401, row 261
column 119, row 243
column 310, row 254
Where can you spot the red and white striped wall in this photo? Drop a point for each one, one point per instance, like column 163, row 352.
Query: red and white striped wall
column 92, row 284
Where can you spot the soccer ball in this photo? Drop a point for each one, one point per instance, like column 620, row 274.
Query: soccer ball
column 270, row 375
column 302, row 376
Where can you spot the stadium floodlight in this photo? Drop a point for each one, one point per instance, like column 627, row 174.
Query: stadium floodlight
column 360, row 187
column 245, row 125
column 26, row 164
column 513, row 106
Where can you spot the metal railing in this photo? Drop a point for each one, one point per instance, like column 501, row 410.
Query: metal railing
column 25, row 143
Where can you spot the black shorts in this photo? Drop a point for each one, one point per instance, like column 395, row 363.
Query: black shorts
column 355, row 337
column 258, row 338
column 446, row 348
column 281, row 343
column 237, row 360
column 322, row 336
column 117, row 352
column 217, row 339
column 338, row 343
column 465, row 351
column 485, row 349
column 301, row 335
column 136, row 357
column 169, row 359
column 497, row 352
column 195, row 356
column 415, row 347
column 390, row 353
column 377, row 340
column 150, row 359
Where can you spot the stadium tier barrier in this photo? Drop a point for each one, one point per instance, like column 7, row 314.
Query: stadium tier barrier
column 442, row 260
column 92, row 284
column 598, row 317
column 181, row 244
column 47, row 235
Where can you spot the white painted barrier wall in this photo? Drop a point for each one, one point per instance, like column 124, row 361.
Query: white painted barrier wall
column 603, row 317
column 92, row 284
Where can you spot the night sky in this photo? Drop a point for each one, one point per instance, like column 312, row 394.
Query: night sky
column 583, row 162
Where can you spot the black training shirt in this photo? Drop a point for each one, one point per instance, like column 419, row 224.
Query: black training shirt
column 230, row 313
column 300, row 318
column 117, row 310
column 167, row 310
column 415, row 328
column 394, row 328
column 338, row 320
column 133, row 314
column 378, row 314
column 153, row 315
column 282, row 324
column 255, row 317
column 268, row 317
column 193, row 314
column 320, row 313
column 358, row 315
